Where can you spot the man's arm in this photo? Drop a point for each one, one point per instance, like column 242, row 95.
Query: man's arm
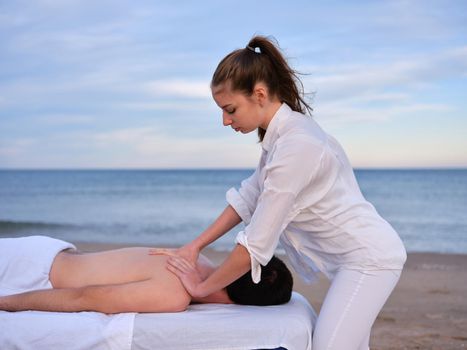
column 140, row 296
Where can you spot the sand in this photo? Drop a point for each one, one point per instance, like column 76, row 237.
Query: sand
column 427, row 310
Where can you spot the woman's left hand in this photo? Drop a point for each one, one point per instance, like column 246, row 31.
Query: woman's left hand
column 188, row 251
column 187, row 272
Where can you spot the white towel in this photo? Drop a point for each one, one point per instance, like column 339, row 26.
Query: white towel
column 25, row 262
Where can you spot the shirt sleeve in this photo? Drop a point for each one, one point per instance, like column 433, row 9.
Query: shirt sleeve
column 291, row 170
column 244, row 200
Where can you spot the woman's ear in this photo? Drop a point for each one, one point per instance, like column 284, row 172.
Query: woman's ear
column 260, row 93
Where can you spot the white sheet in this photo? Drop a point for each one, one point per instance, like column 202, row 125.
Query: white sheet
column 36, row 330
column 203, row 327
column 228, row 327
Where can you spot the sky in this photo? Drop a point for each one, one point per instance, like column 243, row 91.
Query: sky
column 125, row 84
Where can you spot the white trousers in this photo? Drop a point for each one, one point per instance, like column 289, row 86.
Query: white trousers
column 350, row 307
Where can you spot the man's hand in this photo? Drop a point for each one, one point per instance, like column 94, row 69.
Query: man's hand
column 188, row 252
column 188, row 274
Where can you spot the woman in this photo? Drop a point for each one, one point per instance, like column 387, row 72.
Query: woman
column 302, row 193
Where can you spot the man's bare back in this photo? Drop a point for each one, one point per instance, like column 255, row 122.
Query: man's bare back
column 72, row 269
column 147, row 276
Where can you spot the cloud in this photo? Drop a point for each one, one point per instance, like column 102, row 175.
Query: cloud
column 379, row 92
column 10, row 148
column 149, row 147
column 143, row 147
column 351, row 81
column 65, row 119
column 8, row 20
column 65, row 44
column 186, row 106
column 335, row 114
column 414, row 19
column 85, row 65
column 179, row 88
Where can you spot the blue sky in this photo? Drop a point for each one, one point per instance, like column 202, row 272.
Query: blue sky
column 125, row 84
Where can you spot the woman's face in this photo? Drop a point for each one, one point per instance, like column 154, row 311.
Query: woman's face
column 240, row 112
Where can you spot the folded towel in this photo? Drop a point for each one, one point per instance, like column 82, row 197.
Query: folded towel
column 25, row 262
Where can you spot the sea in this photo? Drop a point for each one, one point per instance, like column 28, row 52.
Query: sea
column 427, row 207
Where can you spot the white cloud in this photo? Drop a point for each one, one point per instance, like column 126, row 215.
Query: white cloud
column 67, row 43
column 379, row 92
column 65, row 119
column 179, row 88
column 352, row 81
column 16, row 147
column 148, row 147
column 427, row 152
column 8, row 20
column 412, row 18
column 182, row 105
column 337, row 114
column 110, row 63
column 383, row 97
column 144, row 147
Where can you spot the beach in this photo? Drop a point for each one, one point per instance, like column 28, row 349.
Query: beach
column 427, row 309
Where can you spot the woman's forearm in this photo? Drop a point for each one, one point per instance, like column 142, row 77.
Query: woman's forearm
column 225, row 222
column 235, row 266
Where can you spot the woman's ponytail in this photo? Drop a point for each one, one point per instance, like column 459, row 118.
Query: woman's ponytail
column 261, row 60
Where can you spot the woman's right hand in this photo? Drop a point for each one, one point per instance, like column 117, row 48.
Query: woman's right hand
column 188, row 252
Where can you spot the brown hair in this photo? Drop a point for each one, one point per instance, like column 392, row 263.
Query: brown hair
column 243, row 68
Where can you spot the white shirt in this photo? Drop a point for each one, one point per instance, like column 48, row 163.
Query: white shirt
column 304, row 193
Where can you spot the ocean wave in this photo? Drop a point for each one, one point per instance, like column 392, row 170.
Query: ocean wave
column 9, row 226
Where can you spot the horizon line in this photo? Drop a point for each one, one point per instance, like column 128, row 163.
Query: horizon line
column 222, row 169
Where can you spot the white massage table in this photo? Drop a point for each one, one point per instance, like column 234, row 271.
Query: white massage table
column 203, row 327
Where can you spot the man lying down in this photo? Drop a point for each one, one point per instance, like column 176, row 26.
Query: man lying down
column 47, row 274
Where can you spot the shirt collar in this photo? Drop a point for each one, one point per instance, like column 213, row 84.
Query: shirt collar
column 272, row 132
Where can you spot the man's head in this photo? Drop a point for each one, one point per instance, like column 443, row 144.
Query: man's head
column 274, row 288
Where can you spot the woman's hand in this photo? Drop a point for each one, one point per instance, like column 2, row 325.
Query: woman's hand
column 187, row 252
column 188, row 274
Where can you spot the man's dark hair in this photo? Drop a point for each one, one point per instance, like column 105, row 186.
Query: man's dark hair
column 274, row 288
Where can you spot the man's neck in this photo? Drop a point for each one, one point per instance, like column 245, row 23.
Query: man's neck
column 206, row 268
column 219, row 297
